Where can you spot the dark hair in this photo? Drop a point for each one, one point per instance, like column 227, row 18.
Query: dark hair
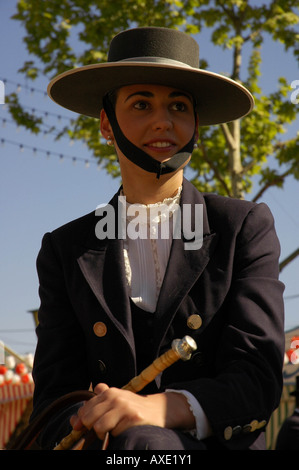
column 112, row 96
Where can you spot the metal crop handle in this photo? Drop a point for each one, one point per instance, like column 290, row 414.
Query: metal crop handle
column 180, row 349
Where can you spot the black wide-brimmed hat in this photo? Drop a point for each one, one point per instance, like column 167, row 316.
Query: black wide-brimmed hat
column 151, row 55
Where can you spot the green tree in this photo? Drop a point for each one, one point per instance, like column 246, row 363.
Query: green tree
column 63, row 34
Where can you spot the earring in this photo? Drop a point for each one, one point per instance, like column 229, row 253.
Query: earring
column 110, row 141
column 195, row 146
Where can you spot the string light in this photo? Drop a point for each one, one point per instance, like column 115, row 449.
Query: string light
column 45, row 128
column 49, row 153
column 46, row 114
column 20, row 87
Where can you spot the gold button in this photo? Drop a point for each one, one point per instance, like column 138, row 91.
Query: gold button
column 100, row 329
column 261, row 424
column 228, row 432
column 254, row 425
column 194, row 321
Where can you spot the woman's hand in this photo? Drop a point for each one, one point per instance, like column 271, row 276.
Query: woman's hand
column 114, row 410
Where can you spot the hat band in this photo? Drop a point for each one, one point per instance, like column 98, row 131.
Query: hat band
column 157, row 60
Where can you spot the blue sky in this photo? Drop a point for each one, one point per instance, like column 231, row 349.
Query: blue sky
column 39, row 192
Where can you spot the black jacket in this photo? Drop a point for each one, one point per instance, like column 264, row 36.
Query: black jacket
column 231, row 282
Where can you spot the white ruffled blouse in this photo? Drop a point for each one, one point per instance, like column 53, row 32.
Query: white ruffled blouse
column 146, row 255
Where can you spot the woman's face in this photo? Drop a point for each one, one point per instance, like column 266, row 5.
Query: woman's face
column 155, row 118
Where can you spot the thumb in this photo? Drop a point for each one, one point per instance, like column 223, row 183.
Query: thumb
column 100, row 388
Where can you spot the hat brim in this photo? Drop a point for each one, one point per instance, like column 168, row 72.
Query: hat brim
column 218, row 98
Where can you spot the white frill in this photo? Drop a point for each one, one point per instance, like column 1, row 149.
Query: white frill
column 147, row 248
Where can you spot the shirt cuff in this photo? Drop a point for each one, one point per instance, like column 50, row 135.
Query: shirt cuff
column 203, row 428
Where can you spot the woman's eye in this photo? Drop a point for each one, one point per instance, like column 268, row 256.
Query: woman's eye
column 140, row 105
column 179, row 106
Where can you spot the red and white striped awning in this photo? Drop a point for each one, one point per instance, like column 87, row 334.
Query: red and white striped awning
column 13, row 401
column 16, row 390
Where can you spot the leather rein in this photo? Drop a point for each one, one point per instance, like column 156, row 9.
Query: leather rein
column 28, row 437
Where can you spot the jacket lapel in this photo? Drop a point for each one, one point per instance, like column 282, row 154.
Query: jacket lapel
column 185, row 265
column 102, row 265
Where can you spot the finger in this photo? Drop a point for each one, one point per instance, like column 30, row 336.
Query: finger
column 106, row 423
column 108, row 400
column 76, row 423
column 100, row 388
column 115, row 423
column 75, row 419
column 93, row 410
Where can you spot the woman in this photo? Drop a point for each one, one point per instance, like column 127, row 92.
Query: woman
column 111, row 303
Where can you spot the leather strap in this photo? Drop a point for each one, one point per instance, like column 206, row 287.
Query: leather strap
column 141, row 158
column 30, row 434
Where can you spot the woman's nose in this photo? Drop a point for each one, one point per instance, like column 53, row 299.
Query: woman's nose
column 162, row 120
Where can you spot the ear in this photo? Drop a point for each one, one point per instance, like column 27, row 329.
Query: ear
column 105, row 127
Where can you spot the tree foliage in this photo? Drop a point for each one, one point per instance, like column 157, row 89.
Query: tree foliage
column 62, row 34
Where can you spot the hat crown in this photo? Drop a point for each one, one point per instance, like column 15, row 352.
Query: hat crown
column 169, row 44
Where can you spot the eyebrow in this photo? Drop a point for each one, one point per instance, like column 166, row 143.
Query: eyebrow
column 149, row 94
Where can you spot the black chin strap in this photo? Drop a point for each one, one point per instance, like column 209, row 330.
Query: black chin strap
column 138, row 156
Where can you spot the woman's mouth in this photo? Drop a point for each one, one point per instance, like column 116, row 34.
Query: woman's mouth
column 160, row 145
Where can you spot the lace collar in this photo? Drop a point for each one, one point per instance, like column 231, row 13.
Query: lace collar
column 158, row 212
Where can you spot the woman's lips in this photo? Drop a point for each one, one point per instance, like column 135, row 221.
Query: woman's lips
column 160, row 145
